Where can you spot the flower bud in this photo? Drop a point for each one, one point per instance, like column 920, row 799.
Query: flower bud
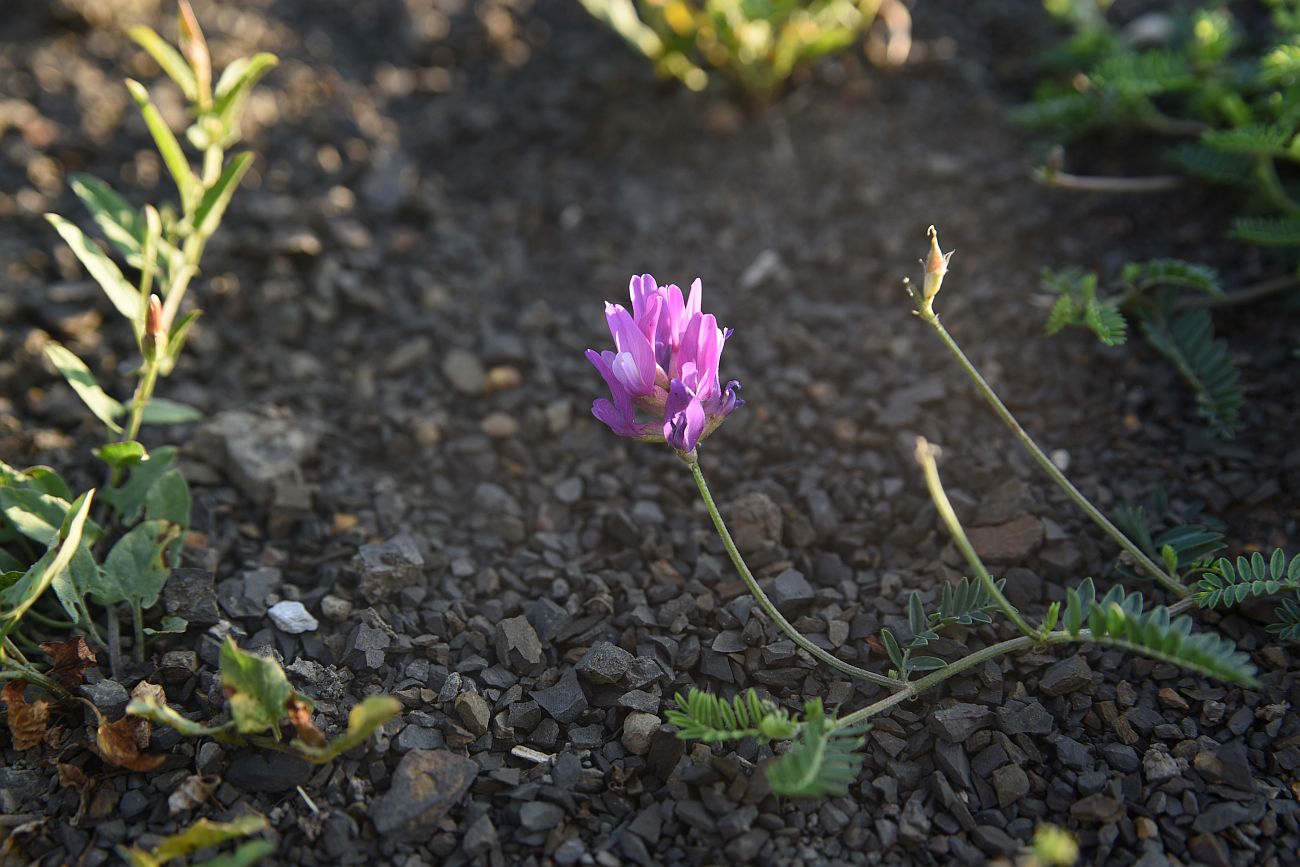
column 936, row 266
column 154, row 339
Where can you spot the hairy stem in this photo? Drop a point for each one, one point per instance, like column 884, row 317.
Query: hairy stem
column 143, row 392
column 986, row 391
column 925, row 455
column 766, row 604
column 1108, row 184
column 935, row 678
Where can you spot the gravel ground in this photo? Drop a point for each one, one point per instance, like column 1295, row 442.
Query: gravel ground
column 399, row 438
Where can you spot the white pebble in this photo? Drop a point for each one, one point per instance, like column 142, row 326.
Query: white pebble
column 292, row 617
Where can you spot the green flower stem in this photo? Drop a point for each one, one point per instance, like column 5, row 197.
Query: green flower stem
column 53, row 622
column 925, row 456
column 1166, row 580
column 137, row 620
column 766, row 604
column 143, row 392
column 935, row 678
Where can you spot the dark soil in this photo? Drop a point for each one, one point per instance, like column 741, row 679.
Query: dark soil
column 444, row 197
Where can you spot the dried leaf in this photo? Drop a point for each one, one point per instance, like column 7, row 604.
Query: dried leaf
column 118, row 746
column 73, row 777
column 27, row 722
column 300, row 716
column 70, row 660
column 191, row 793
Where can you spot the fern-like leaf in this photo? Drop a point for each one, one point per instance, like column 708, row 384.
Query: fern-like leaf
column 1223, row 168
column 1268, row 231
column 1187, row 339
column 1288, row 619
column 1144, row 276
column 1252, row 139
column 1131, row 77
column 1104, row 320
column 703, row 716
column 1226, row 583
column 1119, row 620
column 822, row 761
column 1180, row 547
column 1065, row 312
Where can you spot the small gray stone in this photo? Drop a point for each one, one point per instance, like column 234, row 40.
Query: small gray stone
column 756, row 522
column 1011, row 784
column 335, row 608
column 518, row 647
column 292, row 617
column 108, row 696
column 426, row 784
column 638, row 729
column 474, row 711
column 191, row 595
column 267, row 771
column 1225, row 814
column 1158, row 765
column 1065, row 676
column 604, row 663
column 565, row 701
column 791, row 592
column 367, row 645
column 415, row 737
column 994, row 841
column 1015, row 718
column 259, row 452
column 480, row 837
column 540, row 815
column 133, row 805
column 959, row 721
column 914, row 823
column 1097, row 808
column 387, row 567
column 464, row 371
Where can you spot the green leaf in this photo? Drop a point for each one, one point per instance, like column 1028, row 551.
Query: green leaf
column 176, row 342
column 22, row 595
column 823, row 761
column 168, row 58
column 121, row 456
column 47, row 480
column 106, row 273
column 168, row 147
column 120, row 223
column 169, row 625
column 233, row 88
column 160, row 410
column 128, row 499
column 1187, row 339
column 205, row 834
column 363, row 719
column 207, row 217
column 245, row 855
column 134, row 570
column 925, row 663
column 257, row 688
column 73, row 585
column 155, row 710
column 702, row 716
column 78, row 375
column 33, row 513
column 1268, row 231
column 168, row 499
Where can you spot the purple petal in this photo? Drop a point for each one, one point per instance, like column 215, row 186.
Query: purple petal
column 638, row 373
column 684, row 418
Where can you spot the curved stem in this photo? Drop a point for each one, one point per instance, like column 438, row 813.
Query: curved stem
column 937, row 677
column 1262, row 289
column 1165, row 579
column 1108, row 184
column 766, row 604
column 925, row 455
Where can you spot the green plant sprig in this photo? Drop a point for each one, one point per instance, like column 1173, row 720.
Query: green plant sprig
column 143, row 510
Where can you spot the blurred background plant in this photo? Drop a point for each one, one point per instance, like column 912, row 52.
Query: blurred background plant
column 756, row 44
column 1222, row 86
column 122, row 553
column 1219, row 93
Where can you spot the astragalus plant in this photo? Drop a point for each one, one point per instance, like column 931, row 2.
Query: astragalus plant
column 663, row 376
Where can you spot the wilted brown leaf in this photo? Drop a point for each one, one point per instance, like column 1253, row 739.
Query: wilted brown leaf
column 27, row 722
column 117, row 745
column 72, row 777
column 71, row 658
column 300, row 716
